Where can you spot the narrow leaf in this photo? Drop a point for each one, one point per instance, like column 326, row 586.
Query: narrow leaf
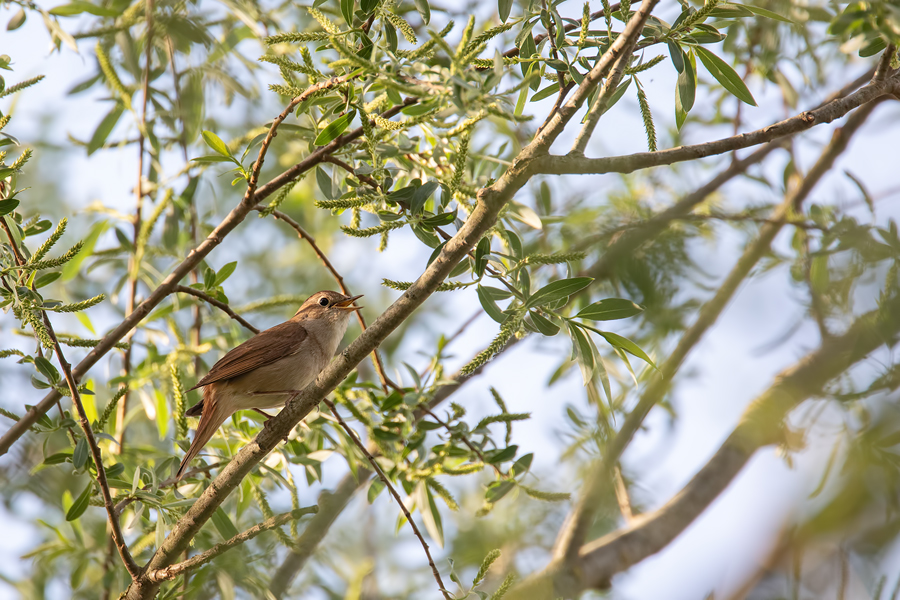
column 725, row 75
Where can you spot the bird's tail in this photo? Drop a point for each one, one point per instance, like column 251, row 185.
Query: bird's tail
column 212, row 418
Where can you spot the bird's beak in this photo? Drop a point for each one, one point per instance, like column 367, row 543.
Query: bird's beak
column 348, row 303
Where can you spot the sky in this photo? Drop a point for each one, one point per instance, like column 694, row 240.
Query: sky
column 727, row 369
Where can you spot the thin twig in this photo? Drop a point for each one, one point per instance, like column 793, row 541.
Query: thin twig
column 600, row 105
column 465, row 441
column 387, row 483
column 304, row 235
column 183, row 289
column 117, row 536
column 134, row 267
column 173, row 571
column 622, row 497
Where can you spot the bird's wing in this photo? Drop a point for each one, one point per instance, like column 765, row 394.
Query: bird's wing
column 262, row 349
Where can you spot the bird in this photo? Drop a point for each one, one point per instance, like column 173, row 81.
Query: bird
column 266, row 369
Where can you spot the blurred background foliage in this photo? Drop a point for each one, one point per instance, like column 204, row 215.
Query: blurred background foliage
column 181, row 94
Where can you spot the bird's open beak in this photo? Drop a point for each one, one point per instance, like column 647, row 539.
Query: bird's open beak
column 348, row 303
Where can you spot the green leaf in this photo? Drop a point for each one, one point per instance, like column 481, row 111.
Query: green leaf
column 212, row 158
column 481, row 256
column 7, row 206
column 490, row 307
column 495, row 457
column 81, row 503
column 424, row 10
column 80, row 455
column 105, row 128
column 685, row 91
column 16, row 21
column 546, row 92
column 584, row 353
column 223, row 524
column 610, row 309
column 375, row 488
column 216, row 143
column 431, row 516
column 762, row 12
column 334, row 129
column 677, row 55
column 557, row 291
column 503, row 8
column 225, row 272
column 347, row 10
column 725, row 75
column 46, row 368
column 522, row 465
column 544, row 325
column 627, row 345
column 81, row 6
column 498, row 489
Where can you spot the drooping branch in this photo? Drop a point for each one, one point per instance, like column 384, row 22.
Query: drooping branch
column 596, row 563
column 387, row 483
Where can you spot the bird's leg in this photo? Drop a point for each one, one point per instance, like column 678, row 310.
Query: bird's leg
column 265, row 414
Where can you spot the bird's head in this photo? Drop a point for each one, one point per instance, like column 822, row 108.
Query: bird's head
column 332, row 306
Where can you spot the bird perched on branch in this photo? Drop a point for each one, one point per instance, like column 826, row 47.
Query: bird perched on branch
column 264, row 371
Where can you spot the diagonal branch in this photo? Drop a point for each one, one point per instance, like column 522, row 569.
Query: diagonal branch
column 183, row 289
column 579, row 165
column 596, row 563
column 572, row 534
column 173, row 571
column 117, row 537
column 396, row 496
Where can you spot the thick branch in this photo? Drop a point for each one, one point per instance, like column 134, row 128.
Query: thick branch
column 183, row 289
column 579, row 165
column 597, row 562
column 622, row 46
column 201, row 559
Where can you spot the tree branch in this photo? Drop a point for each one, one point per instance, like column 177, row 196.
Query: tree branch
column 579, row 165
column 390, row 487
column 173, row 571
column 183, row 289
column 597, row 562
column 116, row 530
column 572, row 535
column 600, row 104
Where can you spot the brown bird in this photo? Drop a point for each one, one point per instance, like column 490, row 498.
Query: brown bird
column 263, row 371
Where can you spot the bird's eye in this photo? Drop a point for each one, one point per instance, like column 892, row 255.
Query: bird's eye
column 323, row 301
